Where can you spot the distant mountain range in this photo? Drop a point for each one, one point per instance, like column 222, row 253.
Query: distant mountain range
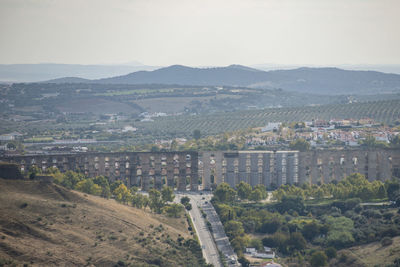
column 307, row 80
column 45, row 71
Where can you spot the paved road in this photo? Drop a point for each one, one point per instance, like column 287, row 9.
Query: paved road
column 209, row 248
column 218, row 231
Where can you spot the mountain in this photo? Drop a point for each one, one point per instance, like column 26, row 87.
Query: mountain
column 69, row 80
column 41, row 72
column 234, row 75
column 304, row 80
column 386, row 68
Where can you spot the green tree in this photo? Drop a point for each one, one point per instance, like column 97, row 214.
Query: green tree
column 256, row 243
column 33, row 171
column 392, row 188
column 115, row 184
column 196, row 134
column 167, row 194
column 234, row 229
column 224, row 193
column 300, row 144
column 174, row 210
column 96, row 190
column 122, row 194
column 102, row 181
column 330, row 252
column 381, row 192
column 255, row 195
column 310, row 230
column 294, row 203
column 263, row 190
column 297, row 241
column 71, row 178
column 155, row 201
column 243, row 190
column 185, row 200
column 318, row 259
column 395, row 142
column 85, row 186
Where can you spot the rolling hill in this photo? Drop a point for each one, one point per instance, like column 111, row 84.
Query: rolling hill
column 329, row 81
column 44, row 224
column 47, row 71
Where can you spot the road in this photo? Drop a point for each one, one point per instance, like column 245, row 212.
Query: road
column 209, row 248
column 218, row 231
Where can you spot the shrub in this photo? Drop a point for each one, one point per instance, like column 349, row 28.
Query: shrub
column 330, row 252
column 318, row 259
column 386, row 241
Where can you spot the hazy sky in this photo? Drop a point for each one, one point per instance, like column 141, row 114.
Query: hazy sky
column 200, row 32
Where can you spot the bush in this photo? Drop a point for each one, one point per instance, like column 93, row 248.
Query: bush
column 318, row 259
column 386, row 241
column 331, row 252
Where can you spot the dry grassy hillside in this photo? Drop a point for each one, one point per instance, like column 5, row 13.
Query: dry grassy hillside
column 47, row 225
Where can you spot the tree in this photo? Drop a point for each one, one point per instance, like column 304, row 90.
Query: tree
column 392, row 188
column 318, row 259
column 33, row 171
column 381, row 192
column 256, row 243
column 156, row 203
column 263, row 190
column 295, row 203
column 300, row 144
column 115, row 184
column 102, row 181
column 234, row 229
column 395, row 141
column 297, row 241
column 255, row 195
column 243, row 261
column 225, row 212
column 174, row 210
column 243, row 190
column 310, row 230
column 224, row 193
column 167, row 194
column 85, row 186
column 330, row 252
column 196, row 134
column 122, row 194
column 185, row 200
column 96, row 190
column 71, row 178
column 271, row 225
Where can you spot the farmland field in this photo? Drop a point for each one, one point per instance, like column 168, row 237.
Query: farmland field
column 176, row 104
column 380, row 111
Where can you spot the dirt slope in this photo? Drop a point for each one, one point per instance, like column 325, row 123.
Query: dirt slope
column 47, row 225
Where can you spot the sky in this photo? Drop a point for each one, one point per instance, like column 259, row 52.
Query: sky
column 200, row 32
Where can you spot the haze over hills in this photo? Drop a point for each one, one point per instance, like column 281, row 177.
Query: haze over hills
column 305, row 80
column 47, row 71
column 386, row 68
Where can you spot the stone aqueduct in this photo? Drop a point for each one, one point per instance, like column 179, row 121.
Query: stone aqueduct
column 185, row 170
column 143, row 169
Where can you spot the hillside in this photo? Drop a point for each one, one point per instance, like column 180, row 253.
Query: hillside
column 211, row 124
column 47, row 225
column 47, row 71
column 374, row 254
column 306, row 80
